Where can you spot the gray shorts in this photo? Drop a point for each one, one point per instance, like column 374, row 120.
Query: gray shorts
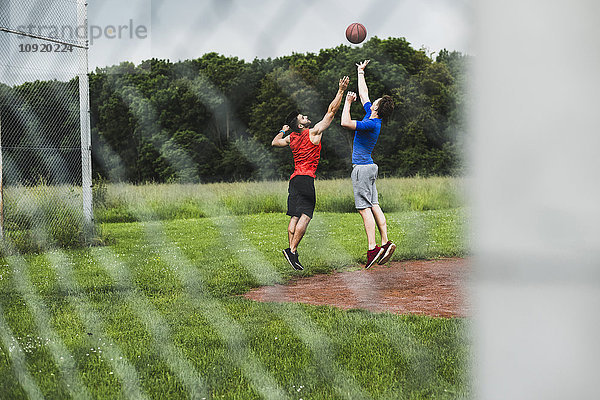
column 363, row 183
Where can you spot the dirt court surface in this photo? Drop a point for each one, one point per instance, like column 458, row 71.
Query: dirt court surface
column 427, row 287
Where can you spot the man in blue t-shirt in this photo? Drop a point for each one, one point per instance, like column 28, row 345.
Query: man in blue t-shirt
column 364, row 170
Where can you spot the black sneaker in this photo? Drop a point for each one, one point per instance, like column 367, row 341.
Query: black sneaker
column 298, row 266
column 292, row 258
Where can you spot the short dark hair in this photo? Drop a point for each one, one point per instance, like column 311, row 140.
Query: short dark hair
column 385, row 108
column 292, row 120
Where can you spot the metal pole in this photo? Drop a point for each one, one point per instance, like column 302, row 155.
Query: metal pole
column 4, row 10
column 84, row 113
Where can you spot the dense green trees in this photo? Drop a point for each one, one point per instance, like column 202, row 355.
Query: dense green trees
column 213, row 118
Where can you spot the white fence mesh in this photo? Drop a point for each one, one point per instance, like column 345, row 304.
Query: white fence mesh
column 44, row 121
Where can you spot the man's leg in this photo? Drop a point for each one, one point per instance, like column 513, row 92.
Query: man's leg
column 292, row 229
column 291, row 255
column 387, row 246
column 375, row 252
column 369, row 222
column 299, row 230
column 365, row 194
column 381, row 223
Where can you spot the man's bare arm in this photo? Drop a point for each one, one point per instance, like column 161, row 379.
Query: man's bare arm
column 279, row 140
column 347, row 121
column 363, row 91
column 317, row 130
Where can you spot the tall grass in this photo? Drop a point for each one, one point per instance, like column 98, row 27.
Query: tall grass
column 122, row 202
column 37, row 216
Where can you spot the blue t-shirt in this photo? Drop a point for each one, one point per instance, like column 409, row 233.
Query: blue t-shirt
column 365, row 137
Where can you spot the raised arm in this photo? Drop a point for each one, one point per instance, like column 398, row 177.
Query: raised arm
column 279, row 140
column 347, row 121
column 363, row 91
column 317, row 131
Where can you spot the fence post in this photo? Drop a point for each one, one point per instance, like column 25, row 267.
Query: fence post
column 84, row 113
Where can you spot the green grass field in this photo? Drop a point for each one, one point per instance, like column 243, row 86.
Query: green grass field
column 156, row 313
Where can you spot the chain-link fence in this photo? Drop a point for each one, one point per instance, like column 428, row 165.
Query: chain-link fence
column 45, row 160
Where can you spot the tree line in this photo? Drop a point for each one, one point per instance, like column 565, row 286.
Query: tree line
column 213, row 118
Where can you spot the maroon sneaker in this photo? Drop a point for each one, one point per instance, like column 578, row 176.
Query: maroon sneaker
column 373, row 256
column 388, row 250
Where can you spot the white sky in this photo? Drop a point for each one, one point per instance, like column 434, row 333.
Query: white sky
column 186, row 29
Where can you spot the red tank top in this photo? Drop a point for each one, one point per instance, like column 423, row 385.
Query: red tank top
column 306, row 154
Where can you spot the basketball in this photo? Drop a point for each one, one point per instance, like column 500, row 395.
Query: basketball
column 356, row 33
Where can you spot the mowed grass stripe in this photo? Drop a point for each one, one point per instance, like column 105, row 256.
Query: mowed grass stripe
column 18, row 362
column 155, row 324
column 229, row 331
column 94, row 324
column 63, row 359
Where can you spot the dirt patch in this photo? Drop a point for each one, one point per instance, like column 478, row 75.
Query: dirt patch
column 428, row 287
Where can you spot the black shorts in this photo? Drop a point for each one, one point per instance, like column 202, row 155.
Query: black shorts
column 301, row 198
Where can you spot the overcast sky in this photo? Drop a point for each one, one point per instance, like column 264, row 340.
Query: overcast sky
column 186, row 29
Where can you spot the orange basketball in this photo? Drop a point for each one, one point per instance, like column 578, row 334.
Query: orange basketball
column 356, row 33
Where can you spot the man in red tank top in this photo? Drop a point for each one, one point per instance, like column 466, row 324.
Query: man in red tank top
column 305, row 143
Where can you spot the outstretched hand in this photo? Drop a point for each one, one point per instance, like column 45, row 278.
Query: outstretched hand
column 361, row 66
column 350, row 97
column 344, row 83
